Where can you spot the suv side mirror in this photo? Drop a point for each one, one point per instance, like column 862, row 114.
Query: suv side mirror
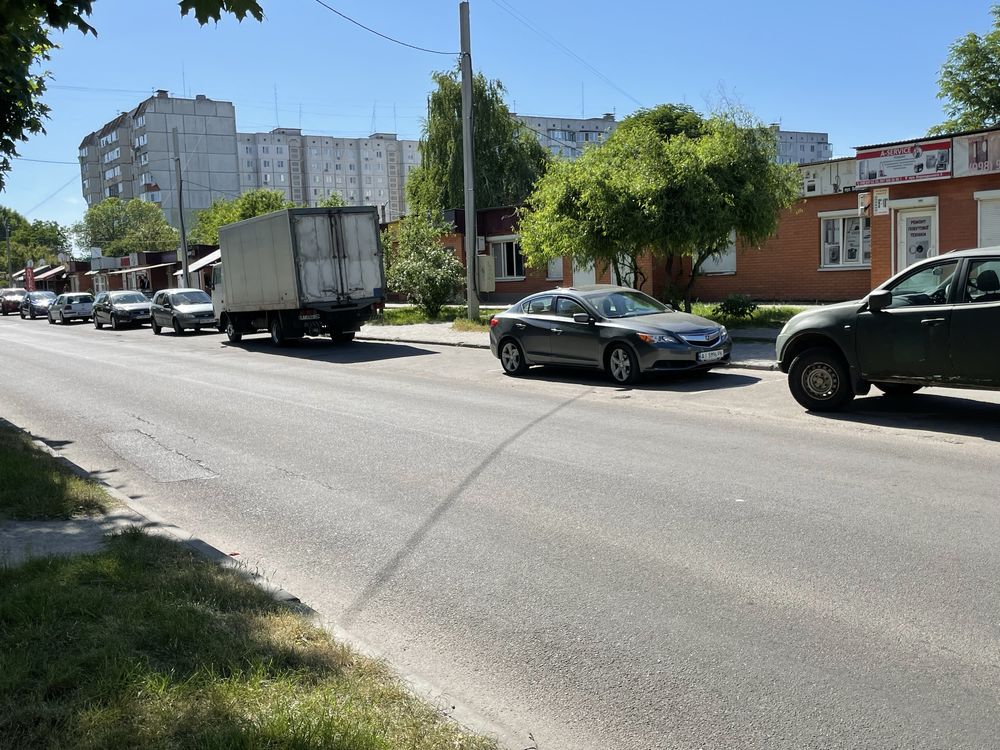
column 581, row 318
column 878, row 301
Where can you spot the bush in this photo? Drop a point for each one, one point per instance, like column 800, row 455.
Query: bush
column 736, row 306
column 420, row 267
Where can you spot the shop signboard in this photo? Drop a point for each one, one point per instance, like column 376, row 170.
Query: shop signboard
column 918, row 238
column 910, row 162
column 977, row 154
column 881, row 202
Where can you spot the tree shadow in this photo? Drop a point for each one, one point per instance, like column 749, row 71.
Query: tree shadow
column 926, row 412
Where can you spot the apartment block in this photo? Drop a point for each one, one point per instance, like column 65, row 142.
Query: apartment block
column 310, row 168
column 800, row 147
column 567, row 137
column 133, row 155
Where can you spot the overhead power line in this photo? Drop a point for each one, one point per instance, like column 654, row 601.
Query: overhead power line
column 45, row 161
column 69, row 182
column 506, row 7
column 384, row 36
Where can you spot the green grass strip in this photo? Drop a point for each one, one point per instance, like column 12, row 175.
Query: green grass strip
column 149, row 645
column 33, row 486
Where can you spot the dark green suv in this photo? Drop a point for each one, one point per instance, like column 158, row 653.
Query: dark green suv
column 936, row 323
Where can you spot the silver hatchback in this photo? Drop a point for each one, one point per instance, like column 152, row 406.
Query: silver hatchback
column 182, row 309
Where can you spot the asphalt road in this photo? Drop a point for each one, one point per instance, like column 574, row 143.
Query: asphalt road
column 692, row 563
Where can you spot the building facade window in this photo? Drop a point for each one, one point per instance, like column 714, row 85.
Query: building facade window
column 845, row 240
column 507, row 256
column 554, row 271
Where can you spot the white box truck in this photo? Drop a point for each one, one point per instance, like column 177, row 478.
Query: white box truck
column 300, row 272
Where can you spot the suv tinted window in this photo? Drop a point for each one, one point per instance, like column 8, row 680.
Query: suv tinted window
column 983, row 284
column 928, row 286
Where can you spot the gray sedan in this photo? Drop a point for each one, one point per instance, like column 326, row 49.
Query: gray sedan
column 620, row 330
column 181, row 309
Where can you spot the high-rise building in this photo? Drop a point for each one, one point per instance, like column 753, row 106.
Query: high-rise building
column 798, row 147
column 309, row 168
column 567, row 137
column 133, row 155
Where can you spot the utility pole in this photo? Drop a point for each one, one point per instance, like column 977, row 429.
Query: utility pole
column 180, row 212
column 471, row 295
column 6, row 234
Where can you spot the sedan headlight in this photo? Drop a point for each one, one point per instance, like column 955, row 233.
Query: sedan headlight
column 723, row 332
column 660, row 338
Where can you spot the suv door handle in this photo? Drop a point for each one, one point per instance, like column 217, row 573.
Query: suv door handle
column 520, row 326
column 557, row 331
column 932, row 321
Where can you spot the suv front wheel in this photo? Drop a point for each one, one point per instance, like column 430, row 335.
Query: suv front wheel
column 819, row 381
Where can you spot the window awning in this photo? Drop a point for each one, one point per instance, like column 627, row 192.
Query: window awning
column 201, row 262
column 140, row 268
column 52, row 272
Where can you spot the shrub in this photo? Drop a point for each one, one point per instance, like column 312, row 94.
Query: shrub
column 736, row 306
column 420, row 267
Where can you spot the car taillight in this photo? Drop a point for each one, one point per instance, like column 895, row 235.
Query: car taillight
column 493, row 322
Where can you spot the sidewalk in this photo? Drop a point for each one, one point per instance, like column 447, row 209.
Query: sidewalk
column 753, row 348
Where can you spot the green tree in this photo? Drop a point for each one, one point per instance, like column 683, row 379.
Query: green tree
column 668, row 183
column 121, row 227
column 332, row 201
column 228, row 210
column 970, row 81
column 508, row 158
column 419, row 265
column 38, row 240
column 26, row 44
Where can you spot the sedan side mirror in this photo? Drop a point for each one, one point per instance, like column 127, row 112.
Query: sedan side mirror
column 878, row 301
column 582, row 318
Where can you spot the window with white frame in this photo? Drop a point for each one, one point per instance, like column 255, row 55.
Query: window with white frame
column 845, row 240
column 722, row 263
column 506, row 252
column 554, row 272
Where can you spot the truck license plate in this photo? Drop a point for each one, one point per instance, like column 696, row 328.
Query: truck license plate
column 711, row 356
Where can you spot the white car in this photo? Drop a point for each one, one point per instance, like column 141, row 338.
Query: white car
column 71, row 306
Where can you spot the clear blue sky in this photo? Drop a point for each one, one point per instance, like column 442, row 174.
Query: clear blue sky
column 863, row 72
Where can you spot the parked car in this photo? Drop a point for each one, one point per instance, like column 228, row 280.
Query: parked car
column 620, row 330
column 34, row 304
column 10, row 299
column 182, row 309
column 935, row 323
column 120, row 309
column 65, row 307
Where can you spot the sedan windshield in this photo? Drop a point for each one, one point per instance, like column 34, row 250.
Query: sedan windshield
column 625, row 304
column 195, row 297
column 128, row 299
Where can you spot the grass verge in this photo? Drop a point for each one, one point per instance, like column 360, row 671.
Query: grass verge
column 34, row 486
column 765, row 316
column 147, row 644
column 404, row 316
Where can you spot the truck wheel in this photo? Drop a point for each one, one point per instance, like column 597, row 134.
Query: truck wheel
column 232, row 333
column 277, row 332
column 342, row 337
column 819, row 381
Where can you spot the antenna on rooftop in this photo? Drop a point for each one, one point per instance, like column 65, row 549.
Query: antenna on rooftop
column 373, row 128
column 276, row 123
column 184, row 86
column 582, row 115
column 395, row 125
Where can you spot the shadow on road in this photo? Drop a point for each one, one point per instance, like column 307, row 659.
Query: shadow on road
column 323, row 350
column 926, row 412
column 651, row 381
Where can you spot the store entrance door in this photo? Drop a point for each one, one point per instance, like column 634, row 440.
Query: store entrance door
column 916, row 236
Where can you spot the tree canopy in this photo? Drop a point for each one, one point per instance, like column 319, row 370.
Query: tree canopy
column 970, row 81
column 121, row 227
column 667, row 182
column 35, row 240
column 25, row 43
column 508, row 158
column 228, row 210
column 419, row 265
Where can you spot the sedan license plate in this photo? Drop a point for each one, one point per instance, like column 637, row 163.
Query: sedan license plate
column 711, row 356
